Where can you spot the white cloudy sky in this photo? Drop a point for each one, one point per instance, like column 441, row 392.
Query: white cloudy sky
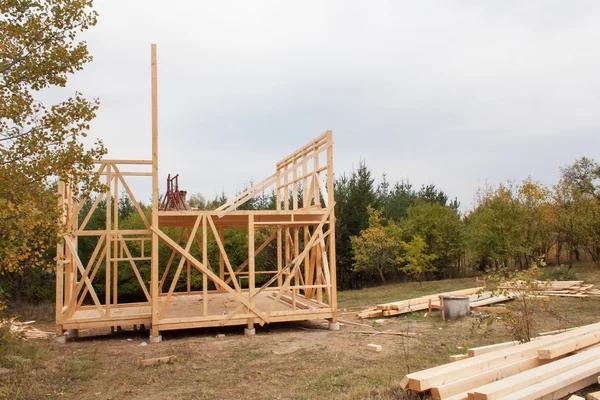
column 451, row 93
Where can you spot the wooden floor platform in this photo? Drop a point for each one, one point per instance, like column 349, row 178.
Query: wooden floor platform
column 185, row 311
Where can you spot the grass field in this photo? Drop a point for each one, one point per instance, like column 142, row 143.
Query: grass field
column 285, row 361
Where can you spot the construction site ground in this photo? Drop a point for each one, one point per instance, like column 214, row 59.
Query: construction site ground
column 283, row 361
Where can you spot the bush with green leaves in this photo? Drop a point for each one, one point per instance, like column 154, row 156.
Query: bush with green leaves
column 559, row 274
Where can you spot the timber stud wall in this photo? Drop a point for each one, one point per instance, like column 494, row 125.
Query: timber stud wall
column 301, row 284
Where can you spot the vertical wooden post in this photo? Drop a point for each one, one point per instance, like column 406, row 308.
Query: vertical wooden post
column 60, row 253
column 68, row 271
column 108, row 239
column 189, row 277
column 319, row 272
column 115, row 242
column 286, row 206
column 154, row 223
column 221, row 260
column 251, row 265
column 295, row 187
column 205, row 262
column 316, row 176
column 295, row 229
column 279, row 232
column 332, row 259
column 305, row 204
column 72, row 206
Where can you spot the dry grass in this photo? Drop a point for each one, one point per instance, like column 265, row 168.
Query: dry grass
column 281, row 362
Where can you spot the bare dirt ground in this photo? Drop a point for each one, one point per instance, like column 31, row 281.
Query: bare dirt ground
column 283, row 361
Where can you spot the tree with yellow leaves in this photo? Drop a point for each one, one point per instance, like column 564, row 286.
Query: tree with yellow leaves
column 376, row 250
column 40, row 142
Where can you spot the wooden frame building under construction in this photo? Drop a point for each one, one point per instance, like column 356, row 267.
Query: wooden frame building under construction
column 300, row 285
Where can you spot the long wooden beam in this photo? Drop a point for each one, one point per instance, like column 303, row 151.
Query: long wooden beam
column 154, row 225
column 504, row 387
column 424, row 380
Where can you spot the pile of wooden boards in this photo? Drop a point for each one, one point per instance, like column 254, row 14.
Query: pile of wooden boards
column 549, row 367
column 477, row 298
column 26, row 328
column 554, row 288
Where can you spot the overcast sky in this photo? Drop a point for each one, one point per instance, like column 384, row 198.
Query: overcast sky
column 451, row 93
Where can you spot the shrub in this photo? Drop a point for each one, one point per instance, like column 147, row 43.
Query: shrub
column 559, row 274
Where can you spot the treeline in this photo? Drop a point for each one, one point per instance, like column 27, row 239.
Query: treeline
column 393, row 232
column 376, row 224
column 385, row 232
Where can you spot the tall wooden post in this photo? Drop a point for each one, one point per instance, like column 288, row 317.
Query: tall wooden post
column 109, row 254
column 60, row 253
column 205, row 262
column 332, row 255
column 155, row 337
column 251, row 268
column 115, row 227
column 69, row 277
column 221, row 260
column 279, row 231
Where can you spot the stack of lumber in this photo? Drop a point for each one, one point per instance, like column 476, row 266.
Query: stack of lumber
column 549, row 367
column 26, row 329
column 554, row 288
column 477, row 298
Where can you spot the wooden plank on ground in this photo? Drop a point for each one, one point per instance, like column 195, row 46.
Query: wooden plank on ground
column 557, row 382
column 514, row 383
column 154, row 361
column 374, row 347
column 492, row 300
column 373, row 313
column 425, row 299
column 495, row 310
column 593, row 396
column 477, row 351
column 424, row 380
column 473, row 381
column 556, row 350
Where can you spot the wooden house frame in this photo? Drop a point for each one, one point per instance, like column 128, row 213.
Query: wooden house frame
column 301, row 229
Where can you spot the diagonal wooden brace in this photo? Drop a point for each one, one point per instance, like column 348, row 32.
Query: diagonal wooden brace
column 77, row 260
column 292, row 265
column 171, row 243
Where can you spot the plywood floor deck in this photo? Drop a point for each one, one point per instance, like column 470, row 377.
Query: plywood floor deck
column 182, row 306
